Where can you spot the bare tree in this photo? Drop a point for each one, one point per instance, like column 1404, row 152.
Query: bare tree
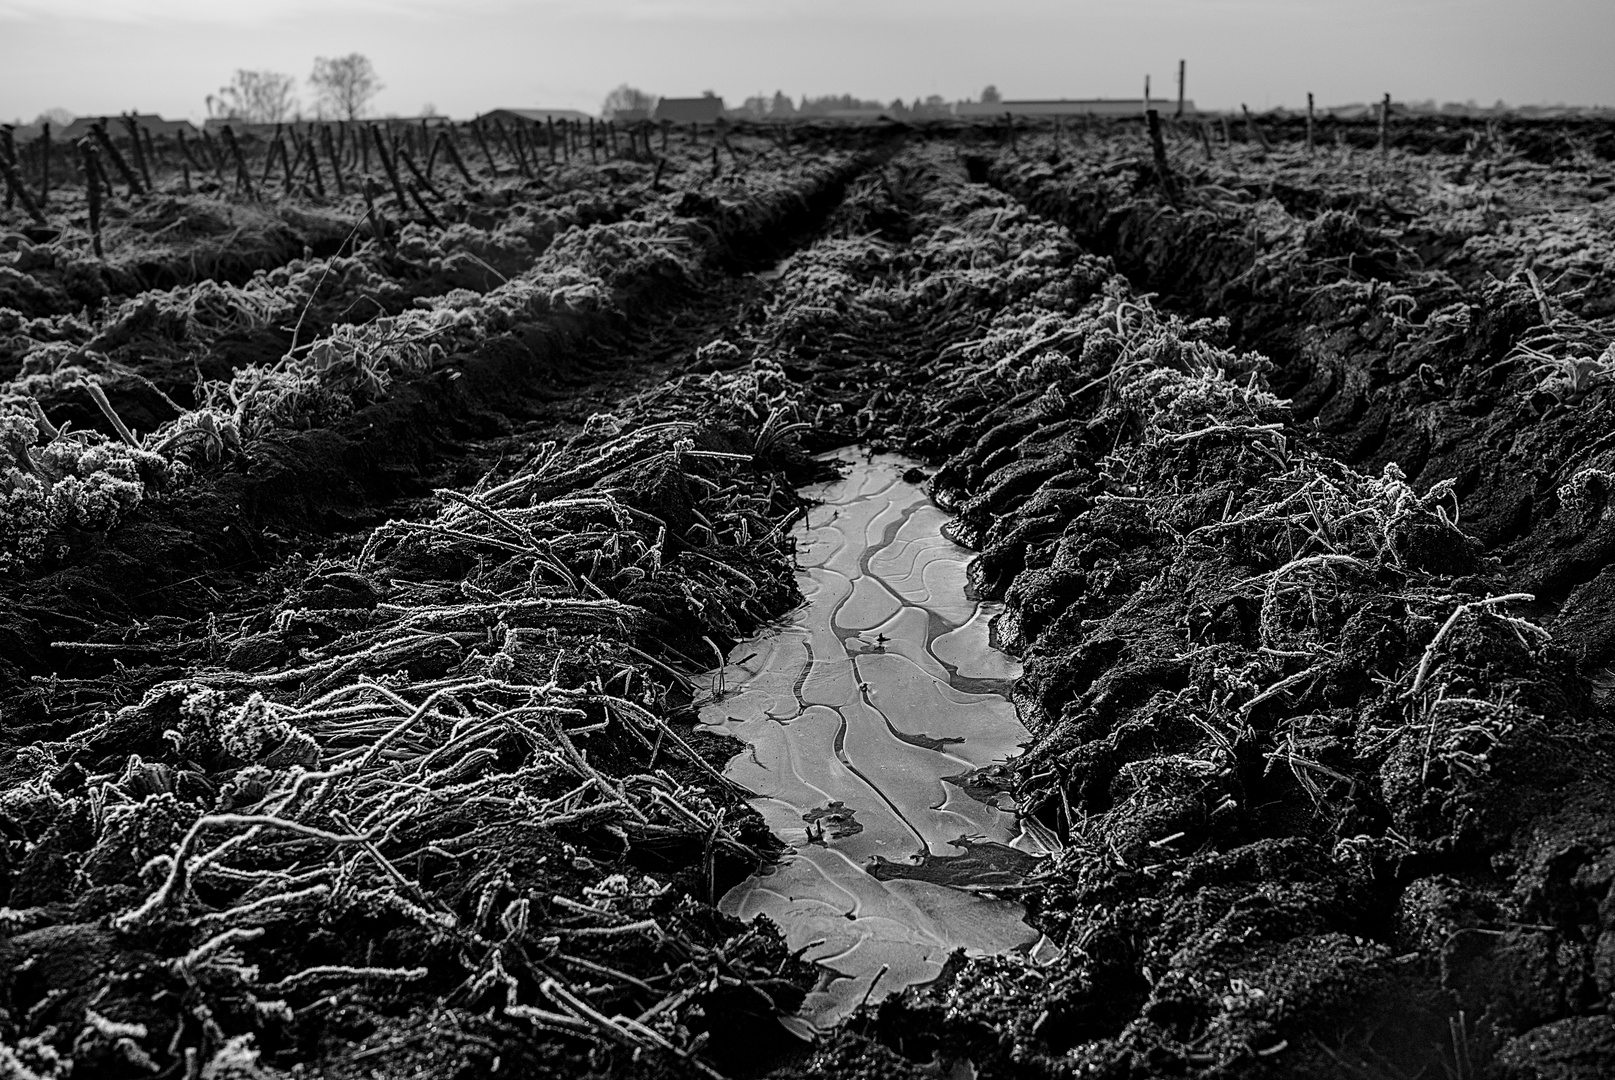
column 989, row 95
column 258, row 97
column 344, row 86
column 627, row 99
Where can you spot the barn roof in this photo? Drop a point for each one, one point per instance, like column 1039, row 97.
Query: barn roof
column 700, row 110
column 149, row 121
column 534, row 116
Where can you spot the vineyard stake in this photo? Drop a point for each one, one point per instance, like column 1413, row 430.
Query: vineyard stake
column 1158, row 146
column 511, row 147
column 1182, row 70
column 15, row 186
column 314, row 164
column 269, row 157
column 136, row 152
column 1310, row 145
column 1384, row 126
column 1205, row 138
column 431, row 218
column 453, row 154
column 593, row 157
column 420, row 178
column 99, row 128
column 243, row 177
column 92, row 193
column 431, row 152
column 8, row 155
column 482, row 141
column 1252, row 132
column 157, row 157
column 331, row 153
column 378, row 223
column 44, row 172
column 549, row 137
column 214, row 157
column 390, row 169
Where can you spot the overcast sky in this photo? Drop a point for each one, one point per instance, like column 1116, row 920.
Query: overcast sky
column 107, row 56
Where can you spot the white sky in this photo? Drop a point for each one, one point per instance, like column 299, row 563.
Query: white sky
column 464, row 56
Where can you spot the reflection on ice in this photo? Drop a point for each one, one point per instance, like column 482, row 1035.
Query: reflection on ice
column 874, row 720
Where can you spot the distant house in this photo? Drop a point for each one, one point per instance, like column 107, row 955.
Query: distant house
column 151, row 122
column 690, row 110
column 1071, row 107
column 532, row 116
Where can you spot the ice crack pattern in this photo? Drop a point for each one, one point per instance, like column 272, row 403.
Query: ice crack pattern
column 875, row 720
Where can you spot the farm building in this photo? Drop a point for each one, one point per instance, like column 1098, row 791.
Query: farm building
column 696, row 110
column 857, row 114
column 532, row 116
column 149, row 121
column 1070, row 107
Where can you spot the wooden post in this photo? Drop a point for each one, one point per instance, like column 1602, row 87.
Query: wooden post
column 421, row 178
column 378, row 224
column 1163, row 174
column 335, row 158
column 314, row 163
column 157, row 158
column 243, row 176
column 1182, row 71
column 15, row 187
column 269, row 157
column 99, row 128
column 135, row 150
column 1384, row 126
column 511, row 147
column 1310, row 144
column 482, row 141
column 92, row 192
column 549, row 137
column 453, row 154
column 1205, row 138
column 1252, row 131
column 431, row 152
column 44, row 166
column 364, row 146
column 8, row 156
column 593, row 157
column 389, row 168
column 215, row 158
column 431, row 218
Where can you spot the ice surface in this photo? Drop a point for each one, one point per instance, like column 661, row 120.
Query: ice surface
column 874, row 720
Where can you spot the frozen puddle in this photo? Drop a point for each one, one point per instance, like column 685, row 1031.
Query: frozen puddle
column 875, row 720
